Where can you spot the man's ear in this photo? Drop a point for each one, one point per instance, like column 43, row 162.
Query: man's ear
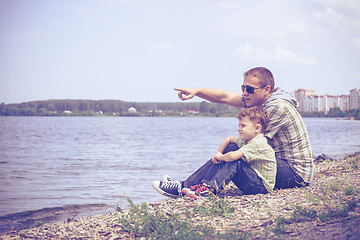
column 268, row 88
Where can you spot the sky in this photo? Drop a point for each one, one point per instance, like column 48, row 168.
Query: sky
column 139, row 50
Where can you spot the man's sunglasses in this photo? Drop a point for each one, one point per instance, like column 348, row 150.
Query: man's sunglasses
column 250, row 89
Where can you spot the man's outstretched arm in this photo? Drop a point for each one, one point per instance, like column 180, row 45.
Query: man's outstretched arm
column 212, row 95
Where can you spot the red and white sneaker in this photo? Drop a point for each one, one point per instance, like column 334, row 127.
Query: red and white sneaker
column 196, row 190
column 189, row 193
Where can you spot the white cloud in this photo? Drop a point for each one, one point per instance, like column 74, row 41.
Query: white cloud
column 304, row 24
column 278, row 55
column 273, row 23
column 341, row 19
column 348, row 9
column 250, row 51
column 283, row 55
column 161, row 45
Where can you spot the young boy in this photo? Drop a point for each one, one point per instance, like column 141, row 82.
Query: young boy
column 250, row 160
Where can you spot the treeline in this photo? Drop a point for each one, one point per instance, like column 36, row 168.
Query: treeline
column 335, row 112
column 122, row 108
column 115, row 108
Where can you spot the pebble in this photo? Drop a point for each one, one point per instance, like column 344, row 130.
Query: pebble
column 252, row 212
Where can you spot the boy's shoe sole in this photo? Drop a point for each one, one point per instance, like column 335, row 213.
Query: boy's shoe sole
column 156, row 186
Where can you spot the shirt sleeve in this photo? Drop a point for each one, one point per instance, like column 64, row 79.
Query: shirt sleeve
column 252, row 150
column 239, row 142
column 278, row 118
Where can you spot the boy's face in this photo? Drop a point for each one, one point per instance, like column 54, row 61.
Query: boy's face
column 248, row 129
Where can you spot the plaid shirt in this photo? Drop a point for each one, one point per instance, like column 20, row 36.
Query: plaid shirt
column 289, row 138
column 261, row 158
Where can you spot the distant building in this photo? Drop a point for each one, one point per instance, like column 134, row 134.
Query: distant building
column 355, row 98
column 192, row 112
column 344, row 102
column 310, row 102
column 300, row 95
column 132, row 109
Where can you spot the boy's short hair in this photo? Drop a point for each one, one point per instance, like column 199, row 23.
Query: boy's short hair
column 256, row 114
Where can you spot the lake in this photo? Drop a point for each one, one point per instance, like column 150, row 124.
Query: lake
column 57, row 161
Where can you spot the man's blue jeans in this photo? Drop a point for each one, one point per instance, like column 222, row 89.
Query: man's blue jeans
column 286, row 177
column 242, row 175
column 216, row 175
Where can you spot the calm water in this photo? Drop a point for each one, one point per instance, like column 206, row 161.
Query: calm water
column 56, row 161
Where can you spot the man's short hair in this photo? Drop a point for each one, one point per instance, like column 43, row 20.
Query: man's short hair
column 263, row 74
column 256, row 114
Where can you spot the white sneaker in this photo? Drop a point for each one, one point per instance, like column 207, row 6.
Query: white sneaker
column 168, row 189
column 167, row 178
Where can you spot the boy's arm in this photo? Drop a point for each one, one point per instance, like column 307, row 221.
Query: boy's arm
column 226, row 142
column 221, row 149
column 230, row 156
column 219, row 156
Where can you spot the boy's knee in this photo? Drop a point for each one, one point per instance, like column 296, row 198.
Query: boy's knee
column 231, row 148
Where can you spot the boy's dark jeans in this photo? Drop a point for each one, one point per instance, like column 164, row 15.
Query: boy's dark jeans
column 242, row 175
column 239, row 171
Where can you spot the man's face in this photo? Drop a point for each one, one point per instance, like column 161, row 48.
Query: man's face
column 259, row 95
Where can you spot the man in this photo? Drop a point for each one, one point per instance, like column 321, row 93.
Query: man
column 286, row 131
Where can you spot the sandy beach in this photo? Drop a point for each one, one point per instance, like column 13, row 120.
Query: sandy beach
column 327, row 209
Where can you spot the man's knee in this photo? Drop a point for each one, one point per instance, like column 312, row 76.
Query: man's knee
column 252, row 189
column 295, row 181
